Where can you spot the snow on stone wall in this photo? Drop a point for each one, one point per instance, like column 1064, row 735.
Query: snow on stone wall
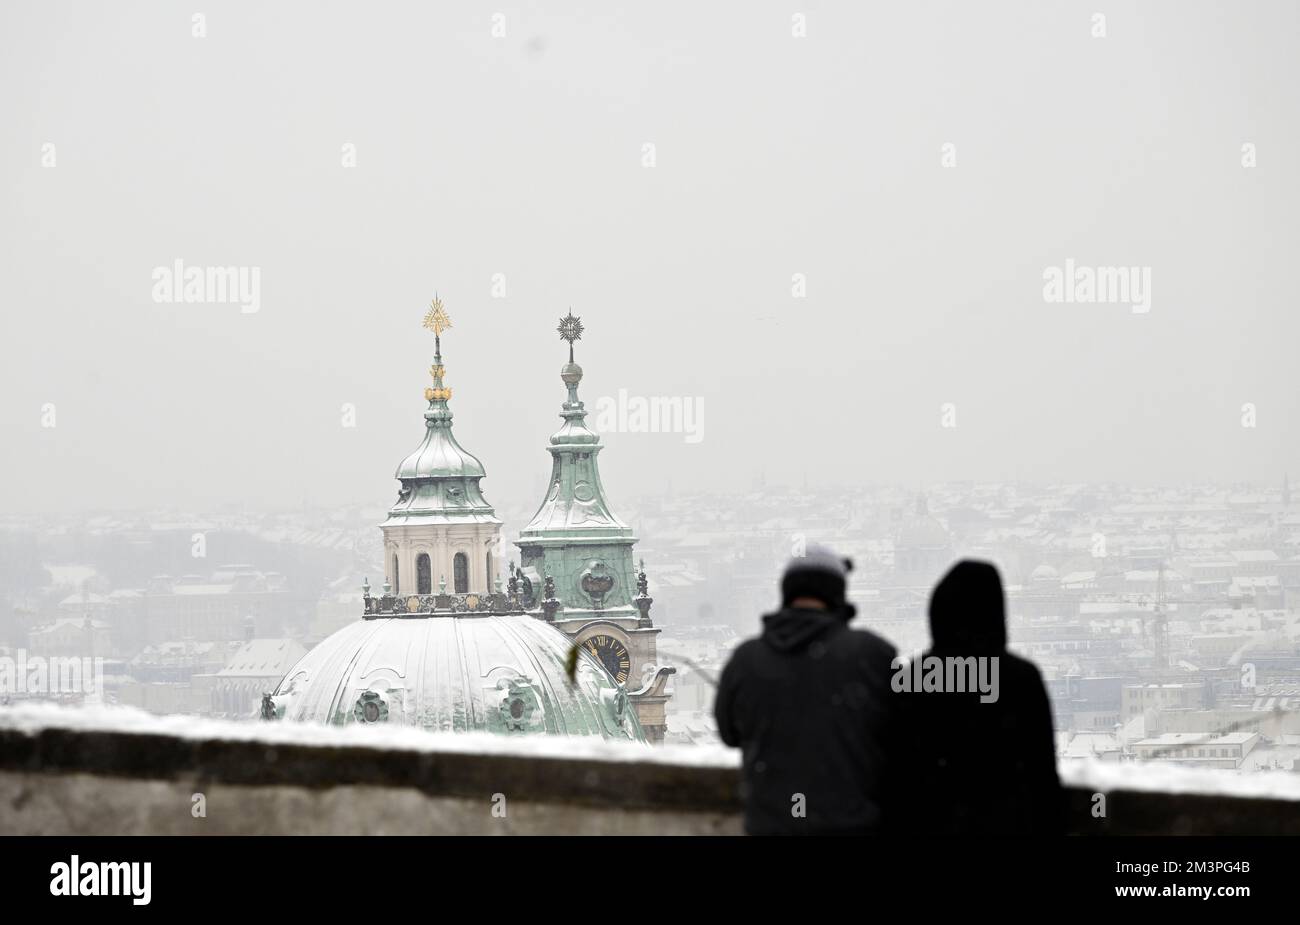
column 35, row 716
column 1086, row 775
column 1104, row 777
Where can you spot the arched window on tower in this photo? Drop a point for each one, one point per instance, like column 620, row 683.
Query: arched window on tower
column 460, row 569
column 488, row 573
column 423, row 575
column 397, row 585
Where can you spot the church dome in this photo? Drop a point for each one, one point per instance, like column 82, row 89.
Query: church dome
column 440, row 478
column 456, row 673
column 1044, row 572
column 923, row 530
column 439, row 455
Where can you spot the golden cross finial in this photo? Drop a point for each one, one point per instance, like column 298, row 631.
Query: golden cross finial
column 436, row 319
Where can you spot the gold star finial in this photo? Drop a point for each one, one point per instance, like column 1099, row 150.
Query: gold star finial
column 436, row 319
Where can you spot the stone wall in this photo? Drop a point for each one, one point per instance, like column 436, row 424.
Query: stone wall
column 61, row 775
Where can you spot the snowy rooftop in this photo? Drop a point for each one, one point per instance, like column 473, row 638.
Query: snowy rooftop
column 1198, row 738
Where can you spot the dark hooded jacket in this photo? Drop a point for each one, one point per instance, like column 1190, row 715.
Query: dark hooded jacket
column 807, row 704
column 969, row 767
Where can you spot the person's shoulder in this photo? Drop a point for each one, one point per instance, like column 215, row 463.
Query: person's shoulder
column 745, row 649
column 1017, row 668
column 871, row 643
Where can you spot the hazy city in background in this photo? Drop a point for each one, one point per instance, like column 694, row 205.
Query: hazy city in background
column 918, row 282
column 1148, row 610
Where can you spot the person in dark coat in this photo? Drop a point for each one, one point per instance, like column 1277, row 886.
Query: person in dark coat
column 969, row 764
column 807, row 703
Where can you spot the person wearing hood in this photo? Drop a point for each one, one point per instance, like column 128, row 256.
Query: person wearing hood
column 807, row 703
column 979, row 759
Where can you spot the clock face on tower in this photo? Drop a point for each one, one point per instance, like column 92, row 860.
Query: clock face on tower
column 612, row 654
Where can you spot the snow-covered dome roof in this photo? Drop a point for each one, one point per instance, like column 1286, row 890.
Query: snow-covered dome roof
column 456, row 673
column 1044, row 572
column 440, row 456
column 923, row 530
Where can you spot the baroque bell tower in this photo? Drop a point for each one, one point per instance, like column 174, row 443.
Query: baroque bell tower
column 578, row 551
column 441, row 532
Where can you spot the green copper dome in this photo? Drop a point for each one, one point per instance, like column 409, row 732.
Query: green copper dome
column 439, row 455
column 440, row 478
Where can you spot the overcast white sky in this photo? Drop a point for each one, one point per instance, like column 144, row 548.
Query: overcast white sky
column 522, row 155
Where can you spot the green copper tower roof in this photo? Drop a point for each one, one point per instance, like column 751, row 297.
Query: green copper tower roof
column 575, row 539
column 575, row 498
column 440, row 478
